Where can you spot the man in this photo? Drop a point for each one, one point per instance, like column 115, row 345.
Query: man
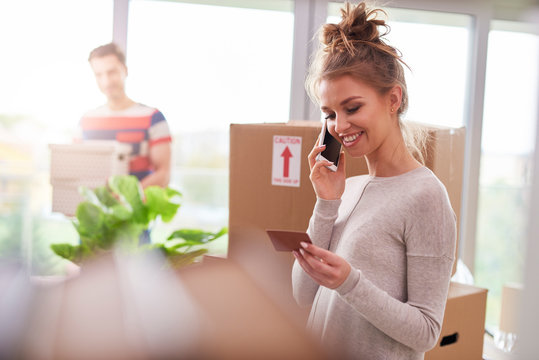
column 124, row 120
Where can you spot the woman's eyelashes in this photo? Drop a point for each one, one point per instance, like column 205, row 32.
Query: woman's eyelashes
column 353, row 109
column 329, row 116
column 349, row 111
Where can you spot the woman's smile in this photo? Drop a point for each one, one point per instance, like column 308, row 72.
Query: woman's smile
column 351, row 139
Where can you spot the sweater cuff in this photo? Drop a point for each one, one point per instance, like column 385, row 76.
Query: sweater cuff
column 327, row 208
column 351, row 281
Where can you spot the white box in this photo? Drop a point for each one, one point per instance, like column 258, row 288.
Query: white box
column 88, row 163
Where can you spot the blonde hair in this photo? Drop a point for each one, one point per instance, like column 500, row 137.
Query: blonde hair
column 356, row 47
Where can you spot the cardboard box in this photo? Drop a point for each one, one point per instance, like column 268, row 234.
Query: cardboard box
column 260, row 197
column 88, row 163
column 463, row 328
column 511, row 300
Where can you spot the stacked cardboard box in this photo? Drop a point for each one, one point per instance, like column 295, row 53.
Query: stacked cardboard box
column 463, row 328
column 88, row 163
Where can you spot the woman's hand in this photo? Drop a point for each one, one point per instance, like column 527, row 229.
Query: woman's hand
column 327, row 184
column 323, row 266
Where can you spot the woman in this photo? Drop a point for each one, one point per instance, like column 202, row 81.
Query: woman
column 378, row 271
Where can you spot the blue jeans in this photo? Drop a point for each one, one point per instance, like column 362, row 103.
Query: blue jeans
column 144, row 237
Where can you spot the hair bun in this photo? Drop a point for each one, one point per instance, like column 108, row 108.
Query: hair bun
column 358, row 25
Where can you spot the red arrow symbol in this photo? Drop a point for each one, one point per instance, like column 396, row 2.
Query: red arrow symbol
column 286, row 155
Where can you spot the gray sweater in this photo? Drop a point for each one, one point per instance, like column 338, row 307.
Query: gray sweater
column 398, row 234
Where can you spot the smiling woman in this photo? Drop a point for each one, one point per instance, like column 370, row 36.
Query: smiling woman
column 377, row 272
column 374, row 84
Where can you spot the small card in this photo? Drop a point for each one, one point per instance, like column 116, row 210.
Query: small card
column 284, row 240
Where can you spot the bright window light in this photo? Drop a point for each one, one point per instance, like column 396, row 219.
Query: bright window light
column 509, row 122
column 205, row 67
column 435, row 47
column 46, row 85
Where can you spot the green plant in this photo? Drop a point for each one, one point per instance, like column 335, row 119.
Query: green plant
column 116, row 215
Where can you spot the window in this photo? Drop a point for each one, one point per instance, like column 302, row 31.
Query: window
column 46, row 86
column 435, row 47
column 205, row 67
column 508, row 137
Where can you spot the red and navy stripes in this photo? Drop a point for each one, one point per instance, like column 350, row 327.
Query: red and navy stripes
column 140, row 126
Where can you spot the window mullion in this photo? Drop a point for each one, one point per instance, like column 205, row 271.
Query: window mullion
column 474, row 127
column 529, row 316
column 119, row 25
column 300, row 58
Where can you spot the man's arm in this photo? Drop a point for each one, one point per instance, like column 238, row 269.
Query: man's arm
column 159, row 155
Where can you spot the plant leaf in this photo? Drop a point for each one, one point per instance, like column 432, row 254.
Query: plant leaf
column 90, row 220
column 106, row 196
column 89, row 195
column 197, row 237
column 74, row 253
column 160, row 201
column 171, row 193
column 182, row 259
column 128, row 188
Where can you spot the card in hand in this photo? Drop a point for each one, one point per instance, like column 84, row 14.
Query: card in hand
column 284, row 240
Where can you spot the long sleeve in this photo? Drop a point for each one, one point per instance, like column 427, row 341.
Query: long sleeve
column 430, row 244
column 399, row 237
column 320, row 231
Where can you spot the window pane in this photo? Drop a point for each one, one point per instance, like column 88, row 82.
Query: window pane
column 507, row 147
column 45, row 86
column 206, row 67
column 435, row 47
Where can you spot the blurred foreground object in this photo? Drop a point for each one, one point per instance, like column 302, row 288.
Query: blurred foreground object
column 244, row 322
column 125, row 306
column 119, row 307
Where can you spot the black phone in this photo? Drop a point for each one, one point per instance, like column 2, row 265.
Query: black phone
column 332, row 151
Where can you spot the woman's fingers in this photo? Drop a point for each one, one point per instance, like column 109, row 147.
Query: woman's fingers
column 305, row 260
column 322, row 163
column 314, row 153
column 326, row 268
column 321, row 255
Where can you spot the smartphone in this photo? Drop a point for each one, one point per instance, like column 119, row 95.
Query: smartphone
column 284, row 240
column 332, row 150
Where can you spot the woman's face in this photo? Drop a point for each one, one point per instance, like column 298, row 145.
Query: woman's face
column 358, row 115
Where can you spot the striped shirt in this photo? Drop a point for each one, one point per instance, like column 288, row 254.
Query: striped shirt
column 139, row 125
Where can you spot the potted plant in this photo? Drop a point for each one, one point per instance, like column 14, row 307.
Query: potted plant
column 116, row 214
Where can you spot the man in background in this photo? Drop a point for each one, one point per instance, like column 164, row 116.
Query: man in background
column 122, row 119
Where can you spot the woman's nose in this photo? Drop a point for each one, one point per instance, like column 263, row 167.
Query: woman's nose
column 341, row 124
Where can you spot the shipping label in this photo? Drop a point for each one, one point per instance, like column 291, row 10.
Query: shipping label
column 286, row 167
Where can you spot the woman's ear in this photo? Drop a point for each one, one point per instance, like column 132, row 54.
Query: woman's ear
column 395, row 98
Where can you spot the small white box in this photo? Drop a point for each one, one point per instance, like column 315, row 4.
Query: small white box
column 89, row 163
column 66, row 196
